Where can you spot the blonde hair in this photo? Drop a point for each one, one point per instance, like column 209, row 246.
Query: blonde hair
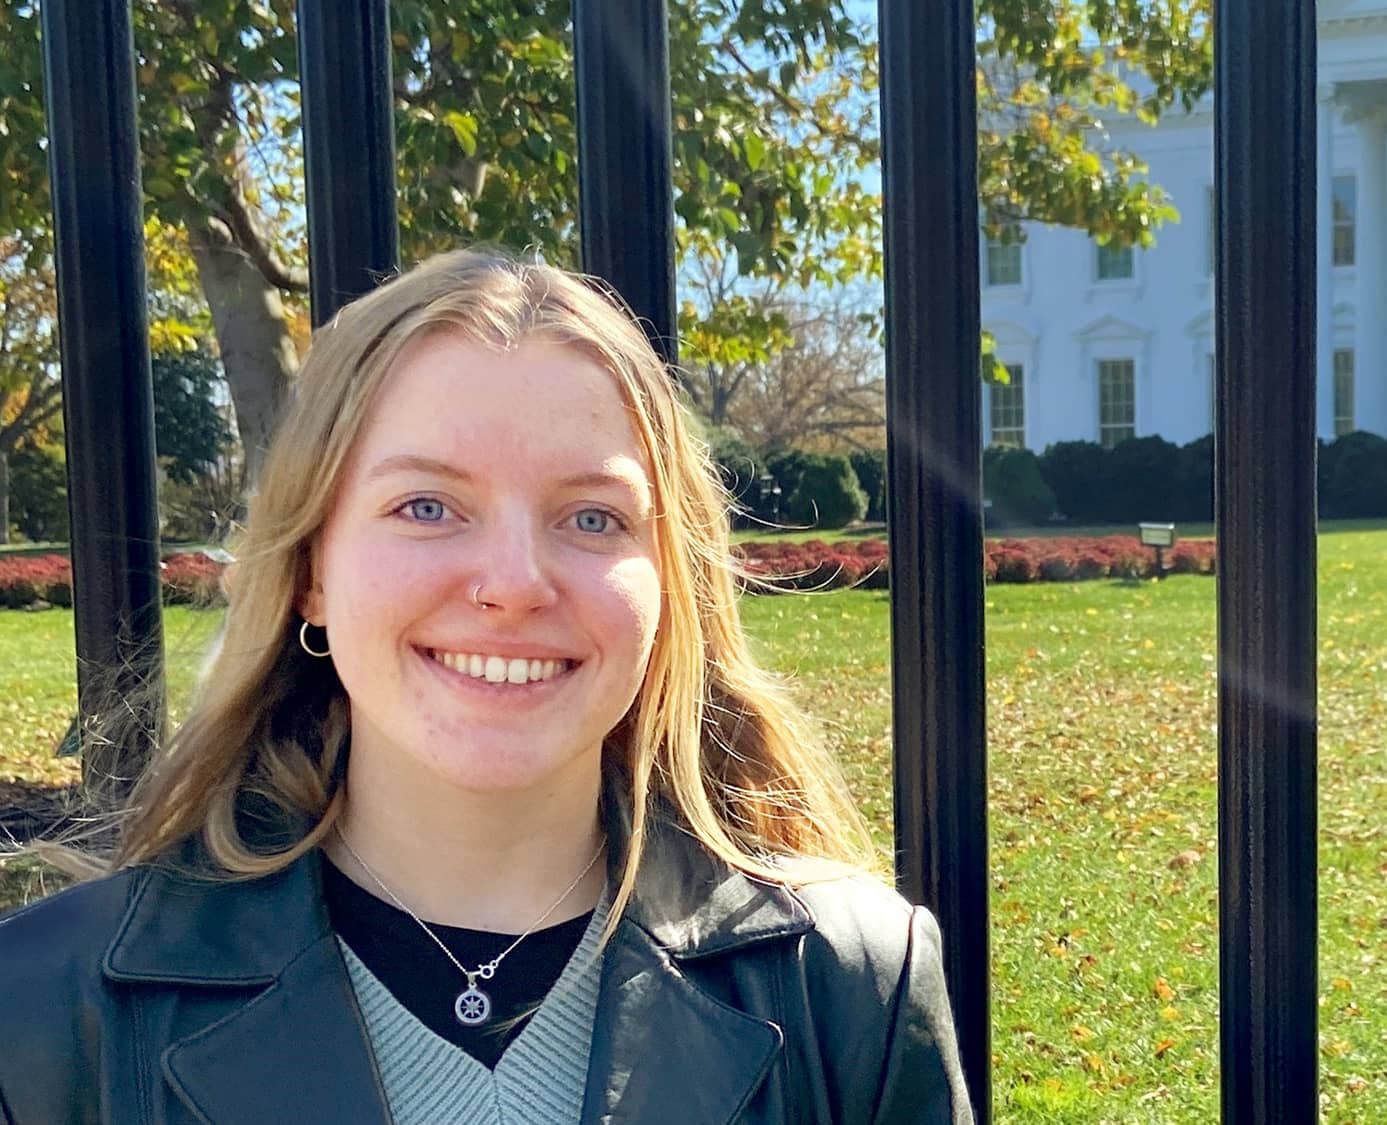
column 710, row 733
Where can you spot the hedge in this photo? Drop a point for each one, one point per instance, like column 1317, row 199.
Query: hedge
column 767, row 567
column 1148, row 478
column 35, row 580
column 772, row 567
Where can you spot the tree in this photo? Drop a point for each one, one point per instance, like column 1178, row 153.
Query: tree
column 30, row 393
column 775, row 139
column 190, row 433
column 822, row 386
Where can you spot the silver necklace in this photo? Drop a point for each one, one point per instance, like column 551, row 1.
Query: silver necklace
column 473, row 1006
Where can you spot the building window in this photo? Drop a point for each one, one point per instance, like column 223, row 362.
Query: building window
column 1117, row 401
column 1003, row 261
column 1115, row 263
column 1009, row 408
column 1345, row 219
column 1343, row 391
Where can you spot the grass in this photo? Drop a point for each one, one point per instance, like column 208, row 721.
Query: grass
column 1103, row 765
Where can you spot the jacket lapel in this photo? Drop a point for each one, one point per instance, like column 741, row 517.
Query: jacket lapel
column 663, row 1049
column 277, row 1034
column 296, row 1052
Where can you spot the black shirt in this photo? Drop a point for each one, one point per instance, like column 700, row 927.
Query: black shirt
column 403, row 958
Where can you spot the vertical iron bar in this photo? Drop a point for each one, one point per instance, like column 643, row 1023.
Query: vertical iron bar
column 1265, row 144
column 108, row 398
column 349, row 149
column 933, row 345
column 625, row 156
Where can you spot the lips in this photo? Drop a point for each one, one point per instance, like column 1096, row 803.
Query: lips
column 502, row 669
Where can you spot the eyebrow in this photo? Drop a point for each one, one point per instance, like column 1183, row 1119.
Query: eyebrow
column 417, row 463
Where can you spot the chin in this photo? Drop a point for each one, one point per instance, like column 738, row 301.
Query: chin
column 502, row 768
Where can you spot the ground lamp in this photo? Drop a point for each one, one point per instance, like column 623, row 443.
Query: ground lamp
column 1159, row 536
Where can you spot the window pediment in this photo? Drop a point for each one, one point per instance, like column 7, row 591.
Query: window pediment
column 1111, row 328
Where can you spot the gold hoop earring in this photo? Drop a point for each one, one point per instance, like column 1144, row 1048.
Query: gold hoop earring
column 303, row 643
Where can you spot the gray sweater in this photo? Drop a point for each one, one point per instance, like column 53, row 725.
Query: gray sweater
column 538, row 1081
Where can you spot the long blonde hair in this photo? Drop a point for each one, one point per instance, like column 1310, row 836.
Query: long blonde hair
column 710, row 733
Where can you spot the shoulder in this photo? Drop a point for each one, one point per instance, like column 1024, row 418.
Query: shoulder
column 867, row 940
column 874, row 975
column 864, row 922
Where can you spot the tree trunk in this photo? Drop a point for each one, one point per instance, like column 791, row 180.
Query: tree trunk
column 257, row 350
column 4, row 497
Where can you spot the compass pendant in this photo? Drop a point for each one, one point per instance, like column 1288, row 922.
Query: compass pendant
column 472, row 1007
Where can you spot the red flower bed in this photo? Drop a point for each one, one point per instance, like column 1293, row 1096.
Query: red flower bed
column 40, row 578
column 815, row 565
column 188, row 579
column 769, row 567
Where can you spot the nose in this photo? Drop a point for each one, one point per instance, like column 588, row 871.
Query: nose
column 512, row 571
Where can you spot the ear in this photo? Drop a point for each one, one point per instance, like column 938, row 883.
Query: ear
column 310, row 601
column 310, row 605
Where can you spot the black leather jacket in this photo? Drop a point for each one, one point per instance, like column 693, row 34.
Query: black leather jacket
column 157, row 998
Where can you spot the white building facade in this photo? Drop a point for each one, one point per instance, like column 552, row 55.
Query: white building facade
column 1105, row 344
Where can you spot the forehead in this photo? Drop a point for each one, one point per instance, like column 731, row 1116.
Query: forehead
column 539, row 402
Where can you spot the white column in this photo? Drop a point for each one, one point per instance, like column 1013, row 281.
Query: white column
column 1324, row 266
column 1371, row 262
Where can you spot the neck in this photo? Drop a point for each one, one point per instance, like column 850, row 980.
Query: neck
column 484, row 861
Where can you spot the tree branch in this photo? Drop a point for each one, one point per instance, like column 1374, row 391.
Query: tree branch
column 246, row 232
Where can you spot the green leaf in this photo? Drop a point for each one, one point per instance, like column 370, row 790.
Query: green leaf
column 464, row 127
column 755, row 151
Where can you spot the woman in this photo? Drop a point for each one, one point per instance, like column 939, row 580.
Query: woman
column 484, row 812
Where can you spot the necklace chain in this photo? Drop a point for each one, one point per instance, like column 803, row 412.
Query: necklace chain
column 487, row 970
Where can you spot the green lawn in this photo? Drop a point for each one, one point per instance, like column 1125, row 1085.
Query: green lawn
column 1103, row 761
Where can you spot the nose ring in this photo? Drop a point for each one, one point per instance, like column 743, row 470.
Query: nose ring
column 477, row 597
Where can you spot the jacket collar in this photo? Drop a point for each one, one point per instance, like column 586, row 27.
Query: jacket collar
column 272, row 936
column 689, row 901
column 182, row 928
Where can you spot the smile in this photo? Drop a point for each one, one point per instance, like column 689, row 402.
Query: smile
column 500, row 669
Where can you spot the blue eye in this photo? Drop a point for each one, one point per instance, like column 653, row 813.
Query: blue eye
column 593, row 520
column 425, row 509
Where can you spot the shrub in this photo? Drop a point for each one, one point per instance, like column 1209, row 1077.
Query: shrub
column 819, row 565
column 741, row 471
column 1012, row 562
column 191, row 579
column 1194, row 482
column 30, row 579
column 828, row 495
column 1012, row 481
column 870, row 467
column 188, row 579
column 1142, row 474
column 1353, row 477
column 1076, row 472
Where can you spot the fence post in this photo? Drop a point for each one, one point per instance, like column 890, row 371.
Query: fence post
column 108, row 397
column 1265, row 513
column 933, row 347
column 349, row 149
column 625, row 158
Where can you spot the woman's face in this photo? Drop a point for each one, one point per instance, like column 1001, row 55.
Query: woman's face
column 514, row 480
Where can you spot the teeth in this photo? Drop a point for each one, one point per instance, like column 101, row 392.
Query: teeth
column 498, row 669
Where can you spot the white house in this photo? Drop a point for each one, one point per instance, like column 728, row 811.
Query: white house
column 1104, row 344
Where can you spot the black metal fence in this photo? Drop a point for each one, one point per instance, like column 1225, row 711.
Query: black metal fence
column 1265, row 146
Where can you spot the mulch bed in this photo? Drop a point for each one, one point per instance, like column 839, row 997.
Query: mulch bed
column 29, row 811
